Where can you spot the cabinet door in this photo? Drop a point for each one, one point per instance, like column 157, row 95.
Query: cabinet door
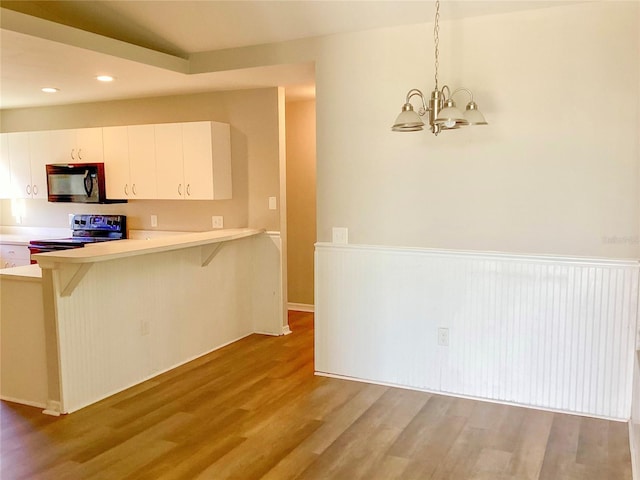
column 116, row 162
column 63, row 146
column 20, row 165
column 39, row 151
column 142, row 161
column 198, row 164
column 5, row 167
column 170, row 161
column 89, row 145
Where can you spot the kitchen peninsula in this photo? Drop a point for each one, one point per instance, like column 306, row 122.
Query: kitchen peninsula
column 121, row 312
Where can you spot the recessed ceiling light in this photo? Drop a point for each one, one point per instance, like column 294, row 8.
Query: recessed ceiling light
column 105, row 78
column 50, row 89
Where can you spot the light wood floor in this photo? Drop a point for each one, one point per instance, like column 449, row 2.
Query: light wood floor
column 255, row 410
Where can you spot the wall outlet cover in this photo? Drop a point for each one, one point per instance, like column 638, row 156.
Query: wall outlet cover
column 272, row 203
column 154, row 220
column 443, row 337
column 340, row 235
column 217, row 221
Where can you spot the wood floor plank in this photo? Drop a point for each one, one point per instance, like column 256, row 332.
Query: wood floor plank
column 255, row 410
column 365, row 442
column 562, row 447
column 619, row 452
column 531, row 444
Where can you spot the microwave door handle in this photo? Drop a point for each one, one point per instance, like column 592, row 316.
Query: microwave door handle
column 88, row 183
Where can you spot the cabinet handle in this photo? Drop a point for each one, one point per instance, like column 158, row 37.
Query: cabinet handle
column 133, row 189
column 28, row 189
column 72, row 156
column 35, row 190
column 180, row 189
column 189, row 189
column 126, row 189
column 79, row 154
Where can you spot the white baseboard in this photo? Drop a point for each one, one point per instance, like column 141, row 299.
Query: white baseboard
column 301, row 307
column 53, row 408
column 470, row 397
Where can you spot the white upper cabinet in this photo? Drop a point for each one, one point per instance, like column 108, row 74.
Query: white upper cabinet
column 142, row 161
column 194, row 161
column 190, row 161
column 170, row 161
column 20, row 165
column 24, row 157
column 130, row 164
column 207, row 160
column 82, row 145
column 39, row 151
column 116, row 162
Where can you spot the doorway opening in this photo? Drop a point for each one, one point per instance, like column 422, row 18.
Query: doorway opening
column 300, row 121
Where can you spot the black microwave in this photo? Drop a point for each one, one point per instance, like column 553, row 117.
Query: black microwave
column 78, row 183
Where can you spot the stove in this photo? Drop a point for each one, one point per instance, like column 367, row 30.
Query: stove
column 86, row 229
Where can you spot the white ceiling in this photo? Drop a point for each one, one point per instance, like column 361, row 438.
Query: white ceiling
column 30, row 60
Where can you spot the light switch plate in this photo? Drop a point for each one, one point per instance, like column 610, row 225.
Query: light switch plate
column 217, row 221
column 154, row 220
column 272, row 203
column 341, row 235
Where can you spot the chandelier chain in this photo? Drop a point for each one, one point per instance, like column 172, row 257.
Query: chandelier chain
column 436, row 39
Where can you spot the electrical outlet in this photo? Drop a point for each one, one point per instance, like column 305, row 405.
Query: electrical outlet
column 443, row 337
column 217, row 221
column 340, row 235
column 154, row 220
column 272, row 203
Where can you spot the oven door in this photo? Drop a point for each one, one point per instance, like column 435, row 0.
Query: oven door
column 78, row 182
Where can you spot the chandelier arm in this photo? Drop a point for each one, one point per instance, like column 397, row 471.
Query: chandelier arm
column 462, row 89
column 414, row 92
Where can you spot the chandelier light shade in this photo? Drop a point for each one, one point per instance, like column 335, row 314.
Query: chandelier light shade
column 442, row 111
column 409, row 120
column 450, row 116
column 473, row 115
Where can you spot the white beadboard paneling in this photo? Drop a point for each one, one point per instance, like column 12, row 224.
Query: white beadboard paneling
column 549, row 332
column 130, row 319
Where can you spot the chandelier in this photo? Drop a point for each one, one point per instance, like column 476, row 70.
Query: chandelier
column 443, row 113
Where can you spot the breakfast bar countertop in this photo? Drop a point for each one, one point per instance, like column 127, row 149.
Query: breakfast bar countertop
column 104, row 251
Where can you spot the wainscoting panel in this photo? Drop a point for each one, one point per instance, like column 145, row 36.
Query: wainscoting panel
column 133, row 318
column 549, row 332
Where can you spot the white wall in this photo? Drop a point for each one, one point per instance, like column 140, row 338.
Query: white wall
column 556, row 171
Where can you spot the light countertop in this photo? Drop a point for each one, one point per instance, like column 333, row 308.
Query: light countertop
column 25, row 272
column 22, row 235
column 131, row 247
